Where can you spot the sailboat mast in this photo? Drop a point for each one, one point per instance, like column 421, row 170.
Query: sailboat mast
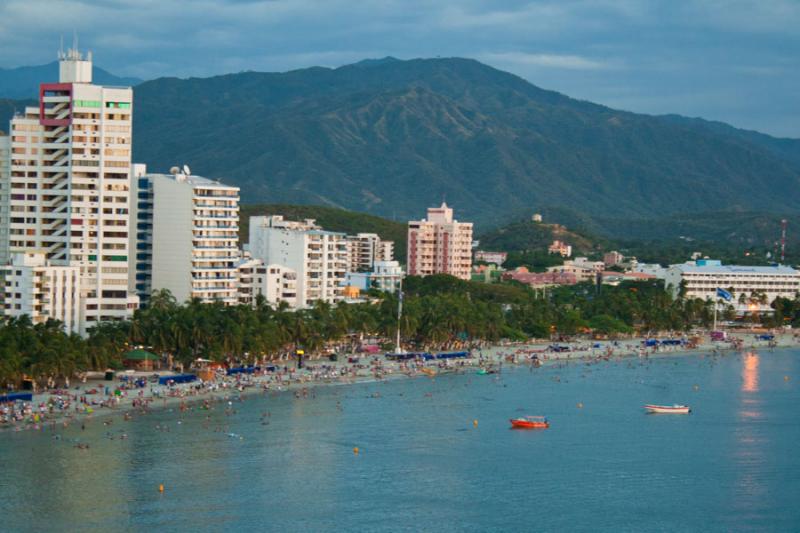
column 398, row 349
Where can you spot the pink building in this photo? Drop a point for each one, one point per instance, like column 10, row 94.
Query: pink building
column 440, row 245
column 540, row 279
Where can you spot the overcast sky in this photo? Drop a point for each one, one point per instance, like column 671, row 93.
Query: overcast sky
column 732, row 60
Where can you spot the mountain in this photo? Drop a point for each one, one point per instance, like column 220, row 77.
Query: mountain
column 9, row 107
column 392, row 137
column 331, row 219
column 23, row 82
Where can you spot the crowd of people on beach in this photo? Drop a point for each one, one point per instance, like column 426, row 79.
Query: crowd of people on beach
column 62, row 406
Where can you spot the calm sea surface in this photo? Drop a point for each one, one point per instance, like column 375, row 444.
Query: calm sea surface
column 733, row 464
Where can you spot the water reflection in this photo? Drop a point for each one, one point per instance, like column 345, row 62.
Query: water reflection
column 750, row 372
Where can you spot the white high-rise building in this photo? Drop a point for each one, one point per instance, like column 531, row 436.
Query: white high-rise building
column 43, row 291
column 187, row 237
column 65, row 190
column 364, row 249
column 319, row 258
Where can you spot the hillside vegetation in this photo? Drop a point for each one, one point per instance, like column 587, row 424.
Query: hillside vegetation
column 392, row 137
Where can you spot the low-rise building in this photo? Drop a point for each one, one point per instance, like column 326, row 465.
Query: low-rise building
column 559, row 248
column 276, row 283
column 386, row 276
column 753, row 288
column 35, row 287
column 613, row 258
column 540, row 279
column 497, row 258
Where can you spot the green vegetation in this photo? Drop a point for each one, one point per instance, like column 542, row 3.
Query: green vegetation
column 392, row 137
column 332, row 219
column 439, row 312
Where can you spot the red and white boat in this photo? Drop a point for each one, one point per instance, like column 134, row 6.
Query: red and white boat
column 668, row 409
column 530, row 422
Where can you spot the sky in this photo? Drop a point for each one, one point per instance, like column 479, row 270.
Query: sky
column 737, row 61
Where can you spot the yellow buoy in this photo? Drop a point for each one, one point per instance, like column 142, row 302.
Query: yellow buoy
column 475, row 422
column 355, row 450
column 785, row 378
column 161, row 488
column 580, row 405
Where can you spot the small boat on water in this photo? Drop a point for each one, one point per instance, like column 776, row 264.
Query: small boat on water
column 530, row 422
column 668, row 409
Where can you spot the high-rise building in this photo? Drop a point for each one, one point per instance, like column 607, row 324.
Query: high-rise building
column 65, row 190
column 318, row 257
column 440, row 245
column 187, row 236
column 43, row 291
column 363, row 249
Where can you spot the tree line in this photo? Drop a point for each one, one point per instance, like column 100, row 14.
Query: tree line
column 439, row 312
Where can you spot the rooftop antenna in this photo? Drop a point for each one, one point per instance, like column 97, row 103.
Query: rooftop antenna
column 187, row 170
column 61, row 48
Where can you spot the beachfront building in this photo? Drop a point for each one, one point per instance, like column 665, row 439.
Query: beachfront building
column 386, row 276
column 64, row 188
column 440, row 244
column 187, row 236
column 497, row 258
column 318, row 258
column 364, row 249
column 276, row 283
column 559, row 248
column 753, row 288
column 35, row 287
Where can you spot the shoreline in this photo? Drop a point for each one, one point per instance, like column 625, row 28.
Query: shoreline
column 128, row 402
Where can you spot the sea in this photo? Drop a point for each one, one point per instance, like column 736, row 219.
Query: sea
column 438, row 454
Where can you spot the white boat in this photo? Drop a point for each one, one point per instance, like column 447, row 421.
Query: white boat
column 668, row 409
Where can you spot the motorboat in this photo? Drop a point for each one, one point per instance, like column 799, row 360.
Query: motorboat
column 530, row 422
column 668, row 409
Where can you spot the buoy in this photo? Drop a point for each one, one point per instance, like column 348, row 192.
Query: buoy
column 161, row 488
column 785, row 378
column 696, row 387
column 355, row 450
column 475, row 422
column 580, row 405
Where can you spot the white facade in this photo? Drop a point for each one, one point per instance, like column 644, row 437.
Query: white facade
column 66, row 189
column 187, row 238
column 386, row 276
column 498, row 258
column 440, row 244
column 364, row 249
column 34, row 287
column 319, row 258
column 702, row 278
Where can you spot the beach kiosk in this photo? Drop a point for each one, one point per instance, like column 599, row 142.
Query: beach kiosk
column 141, row 360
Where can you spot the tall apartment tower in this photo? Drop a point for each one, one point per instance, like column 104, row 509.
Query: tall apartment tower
column 317, row 257
column 65, row 190
column 440, row 245
column 187, row 237
column 364, row 249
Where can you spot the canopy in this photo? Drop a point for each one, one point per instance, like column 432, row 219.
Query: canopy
column 140, row 355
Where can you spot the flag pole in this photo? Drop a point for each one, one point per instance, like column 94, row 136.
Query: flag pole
column 716, row 304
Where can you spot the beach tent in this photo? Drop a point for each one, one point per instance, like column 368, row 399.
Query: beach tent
column 140, row 359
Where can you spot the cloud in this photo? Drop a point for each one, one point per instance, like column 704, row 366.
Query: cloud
column 571, row 62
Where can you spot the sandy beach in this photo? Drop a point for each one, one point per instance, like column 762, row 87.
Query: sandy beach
column 60, row 408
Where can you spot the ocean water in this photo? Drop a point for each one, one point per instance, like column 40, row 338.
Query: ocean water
column 604, row 465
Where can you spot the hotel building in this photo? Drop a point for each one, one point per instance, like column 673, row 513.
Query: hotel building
column 440, row 245
column 317, row 257
column 187, row 237
column 703, row 277
column 64, row 187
